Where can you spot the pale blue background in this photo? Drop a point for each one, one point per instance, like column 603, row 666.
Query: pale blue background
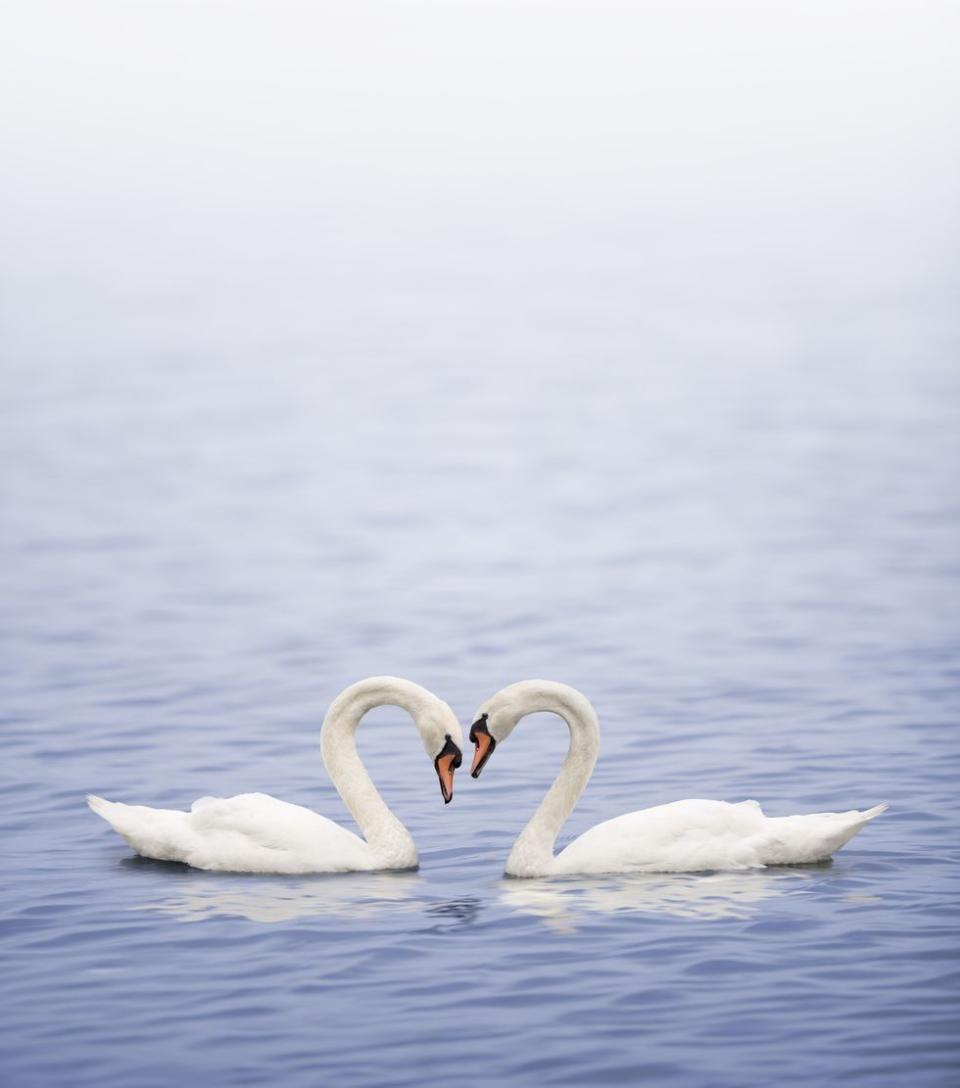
column 615, row 344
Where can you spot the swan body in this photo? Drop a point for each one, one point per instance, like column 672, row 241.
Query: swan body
column 249, row 833
column 695, row 835
column 256, row 833
column 684, row 836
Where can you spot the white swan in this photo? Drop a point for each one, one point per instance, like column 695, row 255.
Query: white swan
column 685, row 836
column 254, row 833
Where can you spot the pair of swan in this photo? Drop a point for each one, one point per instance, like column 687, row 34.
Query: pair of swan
column 254, row 833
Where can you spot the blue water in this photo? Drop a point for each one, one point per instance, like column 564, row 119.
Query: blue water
column 696, row 455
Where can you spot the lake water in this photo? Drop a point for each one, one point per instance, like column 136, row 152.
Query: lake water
column 698, row 460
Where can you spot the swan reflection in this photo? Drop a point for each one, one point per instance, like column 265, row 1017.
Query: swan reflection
column 357, row 896
column 564, row 904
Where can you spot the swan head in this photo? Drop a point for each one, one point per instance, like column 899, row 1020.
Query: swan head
column 436, row 723
column 494, row 722
column 497, row 718
column 442, row 740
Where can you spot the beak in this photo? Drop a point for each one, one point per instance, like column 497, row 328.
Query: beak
column 485, row 745
column 446, row 763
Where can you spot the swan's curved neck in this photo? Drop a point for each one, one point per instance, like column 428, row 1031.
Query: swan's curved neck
column 386, row 835
column 532, row 853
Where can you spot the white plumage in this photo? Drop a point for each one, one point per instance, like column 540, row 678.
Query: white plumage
column 695, row 835
column 255, row 833
column 684, row 836
column 249, row 833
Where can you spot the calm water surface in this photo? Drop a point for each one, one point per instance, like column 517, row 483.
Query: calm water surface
column 751, row 572
column 697, row 459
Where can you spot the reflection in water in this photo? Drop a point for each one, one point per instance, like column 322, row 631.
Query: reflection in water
column 355, row 895
column 562, row 904
column 456, row 912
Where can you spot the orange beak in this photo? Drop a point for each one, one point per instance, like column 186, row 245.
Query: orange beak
column 445, row 767
column 482, row 751
column 447, row 762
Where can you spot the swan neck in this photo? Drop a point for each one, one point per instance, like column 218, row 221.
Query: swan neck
column 532, row 853
column 389, row 839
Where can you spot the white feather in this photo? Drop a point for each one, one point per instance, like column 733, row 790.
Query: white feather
column 684, row 836
column 255, row 833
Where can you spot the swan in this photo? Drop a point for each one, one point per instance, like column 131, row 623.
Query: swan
column 684, row 836
column 254, row 833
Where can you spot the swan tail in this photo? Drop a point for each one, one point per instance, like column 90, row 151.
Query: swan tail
column 163, row 834
column 100, row 805
column 844, row 825
column 799, row 840
column 115, row 813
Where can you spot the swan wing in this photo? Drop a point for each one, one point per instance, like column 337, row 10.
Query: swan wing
column 249, row 833
column 683, row 836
